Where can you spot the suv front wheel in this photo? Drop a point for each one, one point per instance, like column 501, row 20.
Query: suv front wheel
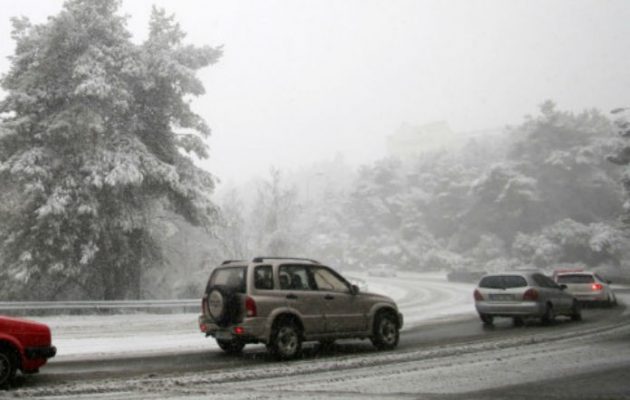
column 386, row 335
column 286, row 341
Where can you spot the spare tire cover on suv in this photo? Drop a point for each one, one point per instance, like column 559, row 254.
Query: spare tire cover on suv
column 223, row 304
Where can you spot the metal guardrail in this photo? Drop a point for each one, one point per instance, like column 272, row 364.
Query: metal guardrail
column 97, row 307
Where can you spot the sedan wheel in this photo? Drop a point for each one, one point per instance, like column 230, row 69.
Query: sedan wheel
column 7, row 366
column 487, row 320
column 549, row 316
column 576, row 312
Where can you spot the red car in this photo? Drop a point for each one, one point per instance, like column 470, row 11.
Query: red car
column 24, row 345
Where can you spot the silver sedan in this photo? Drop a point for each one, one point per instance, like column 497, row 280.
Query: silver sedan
column 520, row 295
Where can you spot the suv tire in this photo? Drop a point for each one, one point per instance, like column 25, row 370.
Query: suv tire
column 8, row 366
column 286, row 341
column 385, row 335
column 231, row 346
column 223, row 305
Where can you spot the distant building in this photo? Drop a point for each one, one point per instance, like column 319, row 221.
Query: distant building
column 412, row 140
column 409, row 141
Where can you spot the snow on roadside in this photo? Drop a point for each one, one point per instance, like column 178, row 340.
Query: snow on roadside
column 421, row 298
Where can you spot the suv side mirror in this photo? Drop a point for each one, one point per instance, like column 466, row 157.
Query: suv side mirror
column 354, row 289
column 563, row 286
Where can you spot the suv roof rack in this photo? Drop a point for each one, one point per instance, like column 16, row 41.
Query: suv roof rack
column 230, row 261
column 261, row 259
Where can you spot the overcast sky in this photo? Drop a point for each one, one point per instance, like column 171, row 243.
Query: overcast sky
column 301, row 81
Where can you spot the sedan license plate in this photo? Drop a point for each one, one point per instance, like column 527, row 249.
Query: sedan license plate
column 501, row 297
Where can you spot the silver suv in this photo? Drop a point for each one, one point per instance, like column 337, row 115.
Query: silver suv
column 283, row 302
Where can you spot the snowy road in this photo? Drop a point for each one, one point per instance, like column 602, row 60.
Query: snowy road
column 421, row 298
column 437, row 359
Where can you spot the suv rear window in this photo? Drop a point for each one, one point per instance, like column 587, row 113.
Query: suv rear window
column 232, row 277
column 577, row 278
column 503, row 282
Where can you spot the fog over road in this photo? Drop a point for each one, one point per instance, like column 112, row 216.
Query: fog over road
column 447, row 358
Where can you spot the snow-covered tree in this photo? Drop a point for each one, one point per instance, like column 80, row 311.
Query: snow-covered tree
column 96, row 134
column 566, row 154
column 621, row 155
column 505, row 202
column 272, row 220
column 568, row 241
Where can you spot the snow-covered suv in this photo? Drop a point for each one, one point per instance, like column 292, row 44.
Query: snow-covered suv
column 283, row 302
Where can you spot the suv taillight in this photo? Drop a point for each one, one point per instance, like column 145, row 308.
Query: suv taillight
column 597, row 286
column 250, row 306
column 478, row 296
column 530, row 295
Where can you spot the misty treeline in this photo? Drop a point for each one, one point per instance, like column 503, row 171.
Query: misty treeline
column 542, row 194
column 101, row 198
column 547, row 193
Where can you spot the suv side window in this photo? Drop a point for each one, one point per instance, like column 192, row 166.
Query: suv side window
column 263, row 277
column 295, row 277
column 327, row 280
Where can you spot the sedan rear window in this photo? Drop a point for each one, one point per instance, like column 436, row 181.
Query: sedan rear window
column 503, row 282
column 575, row 278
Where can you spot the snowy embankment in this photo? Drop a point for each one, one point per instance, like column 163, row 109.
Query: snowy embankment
column 421, row 298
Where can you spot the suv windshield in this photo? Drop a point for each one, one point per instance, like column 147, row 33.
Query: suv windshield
column 232, row 277
column 577, row 278
column 503, row 282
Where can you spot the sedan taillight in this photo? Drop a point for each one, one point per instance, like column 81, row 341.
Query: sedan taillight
column 530, row 295
column 477, row 295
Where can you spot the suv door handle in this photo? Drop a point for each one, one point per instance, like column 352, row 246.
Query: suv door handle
column 329, row 297
column 291, row 296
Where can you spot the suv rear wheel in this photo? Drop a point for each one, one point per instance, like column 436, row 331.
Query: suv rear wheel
column 286, row 341
column 231, row 346
column 386, row 335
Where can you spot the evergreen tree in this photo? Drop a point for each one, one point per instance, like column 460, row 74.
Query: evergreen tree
column 89, row 142
column 621, row 155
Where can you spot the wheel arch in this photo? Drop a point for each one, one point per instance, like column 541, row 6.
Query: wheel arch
column 9, row 343
column 283, row 316
column 384, row 308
